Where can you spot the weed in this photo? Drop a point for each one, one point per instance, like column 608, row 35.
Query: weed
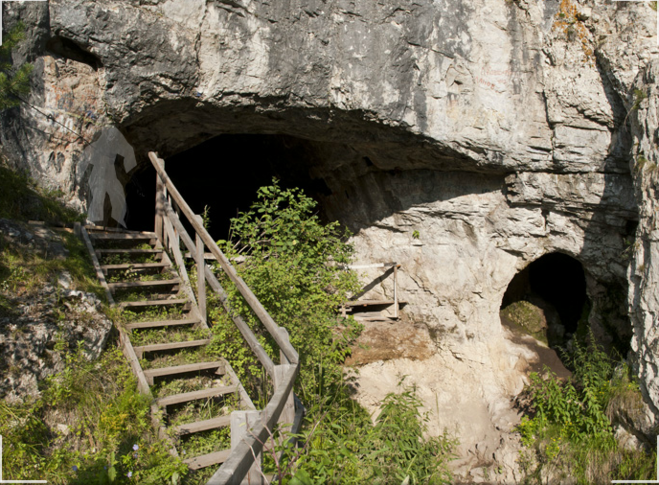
column 569, row 424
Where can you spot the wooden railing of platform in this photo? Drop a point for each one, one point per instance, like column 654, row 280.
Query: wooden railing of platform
column 280, row 408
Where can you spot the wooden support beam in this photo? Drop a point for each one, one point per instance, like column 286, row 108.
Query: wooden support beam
column 241, row 459
column 160, row 198
column 241, row 427
column 194, row 395
column 201, row 274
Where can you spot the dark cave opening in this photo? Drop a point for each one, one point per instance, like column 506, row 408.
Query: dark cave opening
column 553, row 289
column 224, row 174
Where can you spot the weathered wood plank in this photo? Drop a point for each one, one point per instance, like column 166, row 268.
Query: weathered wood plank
column 171, row 346
column 145, row 303
column 201, row 275
column 129, row 251
column 97, row 265
column 182, row 369
column 160, row 210
column 162, row 323
column 365, row 303
column 132, row 266
column 173, row 235
column 194, row 395
column 121, row 285
column 210, row 459
column 91, row 227
column 199, row 426
column 241, row 424
column 120, row 236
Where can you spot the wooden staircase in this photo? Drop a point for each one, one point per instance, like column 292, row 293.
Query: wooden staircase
column 165, row 336
column 142, row 281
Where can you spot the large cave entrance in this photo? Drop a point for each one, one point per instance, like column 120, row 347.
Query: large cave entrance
column 548, row 300
column 223, row 175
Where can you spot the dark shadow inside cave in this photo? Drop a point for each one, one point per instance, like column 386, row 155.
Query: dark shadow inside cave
column 548, row 300
column 224, row 174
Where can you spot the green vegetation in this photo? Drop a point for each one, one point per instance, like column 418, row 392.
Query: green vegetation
column 296, row 267
column 91, row 426
column 343, row 446
column 21, row 199
column 13, row 82
column 567, row 429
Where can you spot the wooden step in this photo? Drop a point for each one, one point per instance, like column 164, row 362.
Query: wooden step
column 376, row 318
column 195, row 395
column 203, row 461
column 200, row 426
column 133, row 266
column 373, row 303
column 128, row 251
column 170, row 346
column 121, row 236
column 122, row 285
column 146, row 303
column 182, row 369
column 162, row 323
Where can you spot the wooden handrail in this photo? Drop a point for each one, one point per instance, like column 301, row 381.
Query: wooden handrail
column 215, row 285
column 236, row 467
column 250, row 298
column 241, row 459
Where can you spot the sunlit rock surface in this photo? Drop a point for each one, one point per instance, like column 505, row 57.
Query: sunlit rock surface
column 463, row 140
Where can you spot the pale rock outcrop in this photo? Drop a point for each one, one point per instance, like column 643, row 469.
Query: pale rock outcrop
column 491, row 129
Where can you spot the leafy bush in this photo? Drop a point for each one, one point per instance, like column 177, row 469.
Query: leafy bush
column 91, row 426
column 568, row 429
column 294, row 264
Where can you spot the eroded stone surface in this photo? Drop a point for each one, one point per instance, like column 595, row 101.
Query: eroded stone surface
column 488, row 129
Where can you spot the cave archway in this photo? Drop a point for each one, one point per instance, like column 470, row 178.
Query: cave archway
column 548, row 299
column 223, row 174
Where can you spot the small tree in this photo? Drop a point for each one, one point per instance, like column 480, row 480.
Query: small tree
column 14, row 82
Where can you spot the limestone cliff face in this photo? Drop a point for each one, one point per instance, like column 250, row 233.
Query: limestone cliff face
column 496, row 130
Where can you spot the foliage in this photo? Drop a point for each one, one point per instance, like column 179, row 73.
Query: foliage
column 343, row 446
column 21, row 199
column 13, row 82
column 568, row 426
column 90, row 426
column 23, row 272
column 294, row 264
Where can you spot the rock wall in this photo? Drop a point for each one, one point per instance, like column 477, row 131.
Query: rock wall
column 496, row 131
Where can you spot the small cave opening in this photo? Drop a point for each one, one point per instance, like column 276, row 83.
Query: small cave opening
column 224, row 174
column 548, row 300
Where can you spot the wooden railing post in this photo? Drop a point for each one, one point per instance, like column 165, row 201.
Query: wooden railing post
column 288, row 414
column 241, row 422
column 201, row 273
column 396, row 306
column 160, row 203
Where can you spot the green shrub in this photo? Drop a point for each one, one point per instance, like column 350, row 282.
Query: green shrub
column 294, row 264
column 568, row 430
column 90, row 426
